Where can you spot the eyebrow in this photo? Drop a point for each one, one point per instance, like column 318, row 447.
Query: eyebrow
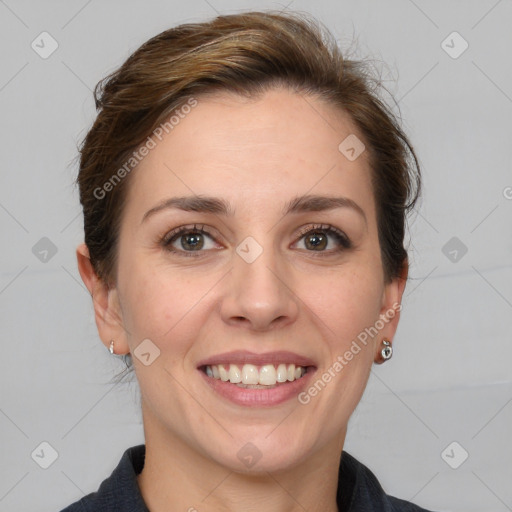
column 215, row 205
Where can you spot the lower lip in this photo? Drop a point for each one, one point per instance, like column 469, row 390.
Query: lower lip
column 259, row 397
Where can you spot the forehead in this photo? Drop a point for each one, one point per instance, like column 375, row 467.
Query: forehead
column 259, row 149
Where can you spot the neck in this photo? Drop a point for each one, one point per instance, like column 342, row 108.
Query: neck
column 177, row 477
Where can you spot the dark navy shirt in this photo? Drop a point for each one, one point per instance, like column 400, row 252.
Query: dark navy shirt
column 358, row 489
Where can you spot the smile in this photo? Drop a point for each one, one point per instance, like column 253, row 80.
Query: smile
column 257, row 379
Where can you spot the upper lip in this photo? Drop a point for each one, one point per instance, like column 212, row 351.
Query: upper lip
column 246, row 357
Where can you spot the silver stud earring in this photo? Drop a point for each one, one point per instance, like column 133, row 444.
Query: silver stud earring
column 387, row 351
column 111, row 346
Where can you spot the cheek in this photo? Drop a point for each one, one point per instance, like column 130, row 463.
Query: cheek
column 345, row 303
column 160, row 303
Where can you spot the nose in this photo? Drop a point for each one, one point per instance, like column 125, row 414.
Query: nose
column 259, row 294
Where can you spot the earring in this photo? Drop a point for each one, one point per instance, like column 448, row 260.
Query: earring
column 387, row 351
column 111, row 346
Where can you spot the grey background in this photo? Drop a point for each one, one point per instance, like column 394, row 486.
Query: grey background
column 450, row 377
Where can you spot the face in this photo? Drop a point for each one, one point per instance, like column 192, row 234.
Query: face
column 278, row 278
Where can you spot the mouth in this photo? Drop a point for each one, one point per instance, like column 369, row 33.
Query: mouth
column 257, row 379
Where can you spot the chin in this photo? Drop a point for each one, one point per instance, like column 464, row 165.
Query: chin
column 264, row 452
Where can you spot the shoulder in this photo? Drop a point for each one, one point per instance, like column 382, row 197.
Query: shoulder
column 359, row 490
column 120, row 490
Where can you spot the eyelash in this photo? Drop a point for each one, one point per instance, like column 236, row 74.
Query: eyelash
column 170, row 237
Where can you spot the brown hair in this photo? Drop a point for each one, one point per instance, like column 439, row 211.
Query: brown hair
column 247, row 54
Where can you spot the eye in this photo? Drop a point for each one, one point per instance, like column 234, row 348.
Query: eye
column 194, row 240
column 188, row 240
column 317, row 238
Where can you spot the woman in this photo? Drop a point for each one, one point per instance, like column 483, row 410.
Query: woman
column 244, row 195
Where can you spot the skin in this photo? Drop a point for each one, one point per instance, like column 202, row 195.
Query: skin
column 256, row 154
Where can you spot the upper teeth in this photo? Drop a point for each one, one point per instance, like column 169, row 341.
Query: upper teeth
column 267, row 375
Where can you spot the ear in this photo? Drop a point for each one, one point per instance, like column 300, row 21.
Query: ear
column 390, row 310
column 105, row 298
